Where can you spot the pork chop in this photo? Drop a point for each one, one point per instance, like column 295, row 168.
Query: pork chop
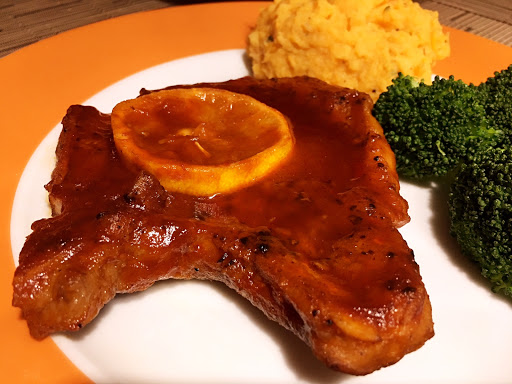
column 314, row 245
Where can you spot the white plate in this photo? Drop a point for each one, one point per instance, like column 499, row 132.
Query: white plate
column 201, row 332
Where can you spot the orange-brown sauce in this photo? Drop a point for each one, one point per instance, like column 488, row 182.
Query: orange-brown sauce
column 203, row 131
column 308, row 204
column 300, row 199
column 313, row 244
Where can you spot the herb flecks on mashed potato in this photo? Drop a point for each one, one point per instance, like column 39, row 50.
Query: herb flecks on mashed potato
column 359, row 44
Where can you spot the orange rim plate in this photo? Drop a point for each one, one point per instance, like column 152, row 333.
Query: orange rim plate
column 40, row 81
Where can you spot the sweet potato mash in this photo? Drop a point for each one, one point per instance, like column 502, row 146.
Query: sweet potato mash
column 360, row 44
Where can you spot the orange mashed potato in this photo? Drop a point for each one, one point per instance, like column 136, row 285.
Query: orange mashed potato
column 359, row 44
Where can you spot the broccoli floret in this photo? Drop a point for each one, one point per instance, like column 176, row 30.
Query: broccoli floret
column 432, row 128
column 466, row 130
column 497, row 91
column 480, row 206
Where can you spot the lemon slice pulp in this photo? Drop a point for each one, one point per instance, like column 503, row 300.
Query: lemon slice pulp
column 201, row 141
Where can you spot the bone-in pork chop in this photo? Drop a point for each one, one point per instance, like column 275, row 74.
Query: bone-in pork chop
column 314, row 245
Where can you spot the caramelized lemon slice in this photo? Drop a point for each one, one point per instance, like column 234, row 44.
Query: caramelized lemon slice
column 201, row 141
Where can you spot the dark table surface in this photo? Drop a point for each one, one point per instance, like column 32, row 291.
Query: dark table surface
column 23, row 22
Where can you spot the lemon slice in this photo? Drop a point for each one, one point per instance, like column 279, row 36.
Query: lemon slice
column 201, row 141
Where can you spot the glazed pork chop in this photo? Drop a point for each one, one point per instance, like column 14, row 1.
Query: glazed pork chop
column 314, row 245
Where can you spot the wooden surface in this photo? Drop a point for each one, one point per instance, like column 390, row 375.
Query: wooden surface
column 23, row 22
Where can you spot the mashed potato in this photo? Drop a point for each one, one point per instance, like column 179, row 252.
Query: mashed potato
column 360, row 44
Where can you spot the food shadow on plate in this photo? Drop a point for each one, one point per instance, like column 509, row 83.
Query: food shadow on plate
column 297, row 355
column 441, row 228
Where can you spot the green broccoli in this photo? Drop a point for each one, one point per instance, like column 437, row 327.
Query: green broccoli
column 497, row 92
column 432, row 128
column 480, row 206
column 464, row 130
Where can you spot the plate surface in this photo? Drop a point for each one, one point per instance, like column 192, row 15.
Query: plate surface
column 200, row 332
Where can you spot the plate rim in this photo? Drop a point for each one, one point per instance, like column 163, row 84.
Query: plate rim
column 28, row 75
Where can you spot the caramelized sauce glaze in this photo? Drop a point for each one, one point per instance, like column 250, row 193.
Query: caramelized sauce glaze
column 330, row 157
column 170, row 126
column 314, row 244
